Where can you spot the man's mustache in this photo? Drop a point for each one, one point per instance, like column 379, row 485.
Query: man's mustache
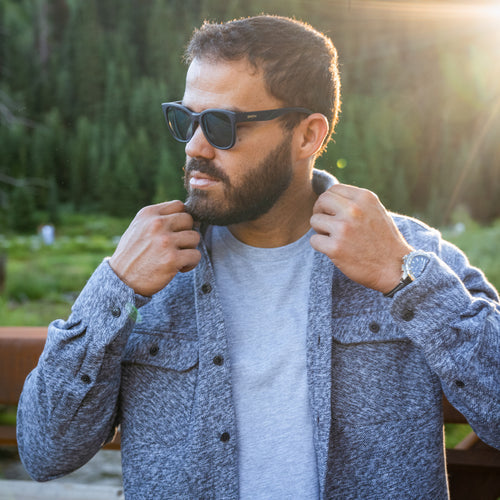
column 205, row 167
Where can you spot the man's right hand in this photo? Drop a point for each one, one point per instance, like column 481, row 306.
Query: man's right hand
column 158, row 244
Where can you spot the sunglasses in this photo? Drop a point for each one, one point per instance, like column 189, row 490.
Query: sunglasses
column 218, row 125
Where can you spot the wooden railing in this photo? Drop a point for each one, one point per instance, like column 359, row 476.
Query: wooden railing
column 473, row 467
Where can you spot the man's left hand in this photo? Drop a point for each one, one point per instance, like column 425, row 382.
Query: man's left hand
column 357, row 233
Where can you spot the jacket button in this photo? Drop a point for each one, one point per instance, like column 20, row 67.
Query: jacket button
column 206, row 288
column 459, row 384
column 116, row 312
column 153, row 350
column 374, row 327
column 218, row 360
column 408, row 315
column 224, row 437
column 85, row 379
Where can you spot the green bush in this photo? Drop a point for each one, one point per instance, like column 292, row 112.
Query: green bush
column 480, row 244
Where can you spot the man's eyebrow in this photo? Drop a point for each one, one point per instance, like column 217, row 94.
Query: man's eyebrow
column 235, row 109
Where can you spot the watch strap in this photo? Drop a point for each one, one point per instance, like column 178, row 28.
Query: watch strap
column 399, row 286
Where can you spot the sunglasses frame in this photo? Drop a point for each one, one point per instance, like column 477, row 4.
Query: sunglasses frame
column 235, row 117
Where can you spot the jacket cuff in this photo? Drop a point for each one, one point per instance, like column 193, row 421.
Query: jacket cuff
column 428, row 308
column 106, row 305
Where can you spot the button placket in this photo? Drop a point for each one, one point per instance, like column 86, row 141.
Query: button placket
column 212, row 352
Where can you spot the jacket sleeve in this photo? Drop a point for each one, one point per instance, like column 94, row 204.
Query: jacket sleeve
column 453, row 314
column 68, row 405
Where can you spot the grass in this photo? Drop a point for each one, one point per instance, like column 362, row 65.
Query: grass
column 454, row 433
column 43, row 281
column 8, row 415
column 42, row 285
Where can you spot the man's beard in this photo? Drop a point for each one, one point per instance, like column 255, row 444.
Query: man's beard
column 258, row 190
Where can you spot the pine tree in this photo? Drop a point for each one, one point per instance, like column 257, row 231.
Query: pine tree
column 22, row 210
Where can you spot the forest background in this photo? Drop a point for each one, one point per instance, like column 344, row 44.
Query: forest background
column 81, row 82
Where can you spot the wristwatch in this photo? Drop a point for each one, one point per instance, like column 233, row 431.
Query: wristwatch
column 413, row 266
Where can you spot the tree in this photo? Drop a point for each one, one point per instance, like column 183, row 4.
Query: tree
column 22, row 210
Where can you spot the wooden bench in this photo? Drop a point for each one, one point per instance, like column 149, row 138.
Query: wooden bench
column 473, row 466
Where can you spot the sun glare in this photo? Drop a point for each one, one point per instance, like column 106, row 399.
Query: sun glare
column 479, row 18
column 450, row 10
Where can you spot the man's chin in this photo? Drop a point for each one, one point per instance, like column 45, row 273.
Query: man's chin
column 207, row 215
column 204, row 212
column 192, row 211
column 200, row 209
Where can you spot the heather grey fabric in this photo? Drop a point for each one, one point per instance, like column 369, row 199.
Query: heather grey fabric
column 376, row 371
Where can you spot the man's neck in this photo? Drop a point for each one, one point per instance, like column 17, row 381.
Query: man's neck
column 285, row 223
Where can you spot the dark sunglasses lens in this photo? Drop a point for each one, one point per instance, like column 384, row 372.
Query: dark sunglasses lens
column 218, row 128
column 180, row 123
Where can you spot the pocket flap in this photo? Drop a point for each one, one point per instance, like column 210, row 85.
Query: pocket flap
column 162, row 350
column 367, row 328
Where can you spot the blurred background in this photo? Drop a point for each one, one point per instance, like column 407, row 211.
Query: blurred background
column 81, row 84
column 83, row 145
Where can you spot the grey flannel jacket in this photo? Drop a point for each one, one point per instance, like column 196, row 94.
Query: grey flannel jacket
column 377, row 368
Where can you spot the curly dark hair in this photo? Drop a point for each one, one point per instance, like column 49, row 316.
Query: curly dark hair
column 299, row 63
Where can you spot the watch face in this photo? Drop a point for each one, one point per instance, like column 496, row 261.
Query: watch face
column 417, row 264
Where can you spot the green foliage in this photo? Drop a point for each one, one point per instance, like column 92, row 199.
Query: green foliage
column 22, row 210
column 84, row 82
column 36, row 313
column 43, row 281
column 479, row 243
column 8, row 415
column 454, row 433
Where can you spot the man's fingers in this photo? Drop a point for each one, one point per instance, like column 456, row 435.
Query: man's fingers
column 321, row 243
column 325, row 204
column 167, row 207
column 321, row 223
column 187, row 239
column 170, row 207
column 178, row 221
column 188, row 259
column 331, row 202
column 345, row 191
column 347, row 202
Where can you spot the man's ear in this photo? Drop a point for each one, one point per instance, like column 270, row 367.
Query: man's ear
column 309, row 135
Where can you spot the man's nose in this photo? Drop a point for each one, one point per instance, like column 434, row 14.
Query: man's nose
column 198, row 146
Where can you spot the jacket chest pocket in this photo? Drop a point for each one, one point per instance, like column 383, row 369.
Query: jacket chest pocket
column 159, row 376
column 377, row 373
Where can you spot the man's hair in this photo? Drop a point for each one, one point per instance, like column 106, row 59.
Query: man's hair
column 299, row 63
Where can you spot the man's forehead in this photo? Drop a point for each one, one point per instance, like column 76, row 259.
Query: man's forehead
column 210, row 68
column 212, row 81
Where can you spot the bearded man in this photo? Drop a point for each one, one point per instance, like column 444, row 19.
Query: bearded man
column 278, row 335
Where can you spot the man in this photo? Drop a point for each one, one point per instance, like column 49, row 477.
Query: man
column 261, row 340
